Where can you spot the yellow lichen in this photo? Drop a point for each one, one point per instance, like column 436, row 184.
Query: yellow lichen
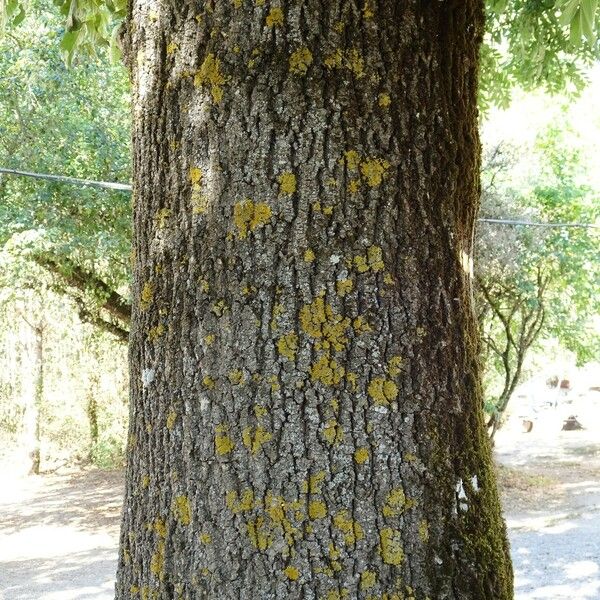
column 333, row 432
column 368, row 10
column 354, row 186
column 344, row 286
column 223, row 443
column 287, row 346
column 334, row 60
column 161, row 217
column 352, row 380
column 259, row 534
column 352, row 160
column 171, row 418
column 274, row 383
column 350, row 59
column 360, row 325
column 182, row 510
column 317, row 509
column 260, row 411
column 291, row 573
column 355, row 63
column 240, row 504
column 368, row 579
column 275, row 17
column 395, row 503
column 300, row 60
column 219, row 308
column 195, row 175
column 236, row 377
column 145, row 481
column 210, row 75
column 160, row 528
column 314, row 483
column 350, row 528
column 254, row 438
column 384, row 100
column 287, row 184
column 395, row 366
column 320, row 322
column 237, row 3
column 361, row 455
column 424, row 531
column 327, row 371
column 383, row 391
column 146, row 296
column 374, row 170
column 204, row 285
column 157, row 560
column 205, row 538
column 247, row 216
column 156, row 332
column 208, row 382
column 309, row 256
column 337, row 594
column 172, row 48
column 391, row 547
column 375, row 258
column 209, row 339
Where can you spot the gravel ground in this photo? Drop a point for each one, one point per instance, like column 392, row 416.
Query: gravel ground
column 551, row 496
column 59, row 536
column 59, row 532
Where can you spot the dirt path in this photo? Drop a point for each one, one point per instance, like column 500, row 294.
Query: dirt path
column 59, row 533
column 58, row 536
column 551, row 496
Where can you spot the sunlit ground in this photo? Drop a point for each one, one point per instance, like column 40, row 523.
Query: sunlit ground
column 59, row 532
column 553, row 504
column 58, row 537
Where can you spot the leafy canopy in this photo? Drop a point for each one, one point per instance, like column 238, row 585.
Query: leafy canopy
column 529, row 42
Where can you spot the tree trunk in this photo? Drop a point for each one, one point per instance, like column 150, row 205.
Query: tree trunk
column 306, row 417
column 91, row 410
column 34, row 395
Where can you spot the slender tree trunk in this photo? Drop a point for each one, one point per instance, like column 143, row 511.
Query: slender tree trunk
column 34, row 394
column 92, row 412
column 306, row 417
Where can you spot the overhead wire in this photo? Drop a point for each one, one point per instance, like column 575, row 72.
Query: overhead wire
column 126, row 187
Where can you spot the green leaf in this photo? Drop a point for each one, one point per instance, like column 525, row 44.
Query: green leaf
column 588, row 19
column 115, row 51
column 569, row 10
column 69, row 40
column 19, row 18
column 575, row 33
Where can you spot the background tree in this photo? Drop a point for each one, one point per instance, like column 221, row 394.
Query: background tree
column 65, row 249
column 75, row 122
column 53, row 369
column 532, row 281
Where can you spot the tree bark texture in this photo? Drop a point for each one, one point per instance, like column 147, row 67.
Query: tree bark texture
column 306, row 417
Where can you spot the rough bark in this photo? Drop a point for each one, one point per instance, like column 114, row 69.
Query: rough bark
column 306, row 417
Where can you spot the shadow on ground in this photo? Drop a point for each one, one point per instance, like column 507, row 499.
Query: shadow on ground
column 59, row 536
column 80, row 576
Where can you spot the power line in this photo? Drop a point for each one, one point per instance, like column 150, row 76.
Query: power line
column 533, row 224
column 107, row 185
column 125, row 187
